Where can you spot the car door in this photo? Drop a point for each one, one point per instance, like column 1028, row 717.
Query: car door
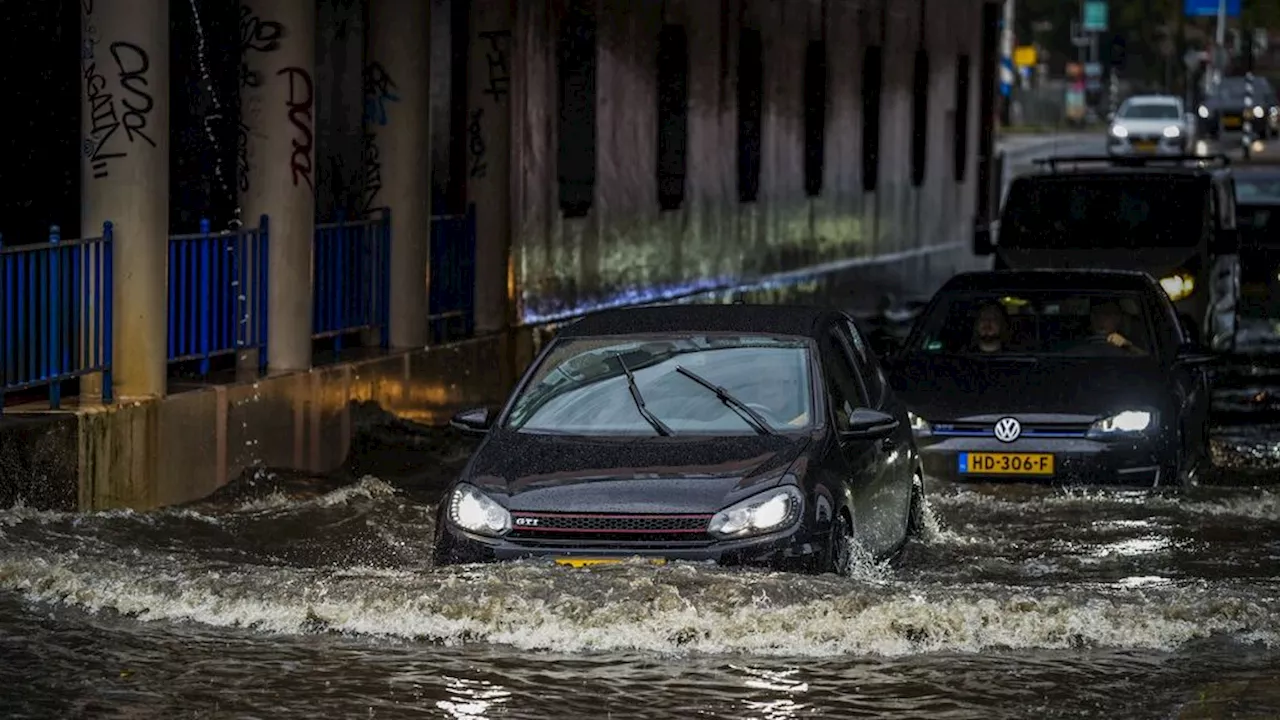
column 900, row 463
column 1190, row 389
column 863, row 459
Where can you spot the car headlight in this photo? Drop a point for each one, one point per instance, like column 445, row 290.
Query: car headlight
column 1172, row 131
column 767, row 512
column 1203, row 112
column 1119, row 131
column 1129, row 421
column 1258, row 112
column 919, row 425
column 1178, row 285
column 472, row 510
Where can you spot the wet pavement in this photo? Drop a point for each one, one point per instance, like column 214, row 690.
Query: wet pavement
column 305, row 597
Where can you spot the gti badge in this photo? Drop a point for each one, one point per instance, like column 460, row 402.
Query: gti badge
column 1008, row 430
column 527, row 522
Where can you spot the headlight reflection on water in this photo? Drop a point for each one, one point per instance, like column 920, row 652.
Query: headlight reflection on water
column 773, row 681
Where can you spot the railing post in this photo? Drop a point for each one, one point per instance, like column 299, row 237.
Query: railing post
column 53, row 366
column 261, row 312
column 204, row 305
column 105, row 300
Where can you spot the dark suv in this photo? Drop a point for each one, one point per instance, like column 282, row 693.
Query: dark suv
column 1172, row 217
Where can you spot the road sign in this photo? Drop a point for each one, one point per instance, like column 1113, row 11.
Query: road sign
column 1024, row 56
column 1209, row 8
column 1095, row 15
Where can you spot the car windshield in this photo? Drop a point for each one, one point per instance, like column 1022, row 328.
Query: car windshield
column 1036, row 322
column 1257, row 189
column 1149, row 111
column 1097, row 212
column 1232, row 89
column 582, row 388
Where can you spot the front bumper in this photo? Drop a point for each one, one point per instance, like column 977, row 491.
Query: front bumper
column 792, row 549
column 1127, row 461
column 1147, row 145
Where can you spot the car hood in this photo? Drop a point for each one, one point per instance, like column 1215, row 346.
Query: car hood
column 951, row 388
column 550, row 473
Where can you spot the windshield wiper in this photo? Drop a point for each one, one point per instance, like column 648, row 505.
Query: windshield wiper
column 760, row 424
column 657, row 424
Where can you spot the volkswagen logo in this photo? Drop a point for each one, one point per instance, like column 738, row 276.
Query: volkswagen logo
column 1008, row 429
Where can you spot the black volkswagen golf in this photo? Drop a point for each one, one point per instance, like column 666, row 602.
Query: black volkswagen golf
column 1082, row 376
column 738, row 434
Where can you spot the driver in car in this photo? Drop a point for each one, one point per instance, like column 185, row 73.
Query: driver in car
column 1107, row 320
column 779, row 397
column 991, row 331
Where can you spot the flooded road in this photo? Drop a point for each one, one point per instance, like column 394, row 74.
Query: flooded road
column 321, row 602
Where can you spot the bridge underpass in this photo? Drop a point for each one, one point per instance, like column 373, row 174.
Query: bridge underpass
column 575, row 155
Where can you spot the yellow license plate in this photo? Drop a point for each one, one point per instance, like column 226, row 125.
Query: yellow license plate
column 1145, row 145
column 1230, row 121
column 1006, row 463
column 579, row 562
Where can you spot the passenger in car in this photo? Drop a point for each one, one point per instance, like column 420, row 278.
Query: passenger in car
column 991, row 331
column 1107, row 321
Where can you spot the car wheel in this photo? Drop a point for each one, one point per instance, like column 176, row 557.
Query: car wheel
column 839, row 553
column 916, row 519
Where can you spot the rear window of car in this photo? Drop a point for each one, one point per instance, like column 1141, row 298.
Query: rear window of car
column 1095, row 212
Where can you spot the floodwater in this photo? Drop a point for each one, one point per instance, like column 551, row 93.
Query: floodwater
column 303, row 598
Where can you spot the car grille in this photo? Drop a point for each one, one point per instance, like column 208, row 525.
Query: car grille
column 625, row 529
column 1029, row 430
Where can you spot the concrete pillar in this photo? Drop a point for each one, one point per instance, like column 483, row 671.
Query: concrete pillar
column 489, row 155
column 398, row 158
column 277, row 113
column 125, row 176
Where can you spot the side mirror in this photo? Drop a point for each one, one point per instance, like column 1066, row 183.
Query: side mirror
column 866, row 424
column 982, row 245
column 1194, row 355
column 471, row 422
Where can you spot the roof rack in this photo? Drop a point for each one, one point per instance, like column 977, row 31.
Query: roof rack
column 1130, row 161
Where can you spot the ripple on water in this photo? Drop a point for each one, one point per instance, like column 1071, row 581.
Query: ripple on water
column 679, row 608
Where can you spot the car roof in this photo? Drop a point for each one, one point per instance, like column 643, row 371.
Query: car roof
column 1123, row 170
column 1051, row 279
column 1153, row 100
column 805, row 320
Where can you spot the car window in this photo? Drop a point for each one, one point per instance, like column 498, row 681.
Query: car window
column 1087, row 213
column 581, row 387
column 844, row 392
column 1257, row 189
column 1037, row 322
column 1149, row 111
column 871, row 371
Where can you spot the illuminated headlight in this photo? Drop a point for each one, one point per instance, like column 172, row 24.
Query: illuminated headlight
column 472, row 510
column 1172, row 131
column 1178, row 286
column 1129, row 421
column 918, row 424
column 764, row 513
column 1258, row 112
column 1203, row 112
column 1119, row 131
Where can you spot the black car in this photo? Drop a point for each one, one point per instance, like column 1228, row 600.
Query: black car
column 1225, row 109
column 1071, row 376
column 1258, row 217
column 1171, row 217
column 739, row 434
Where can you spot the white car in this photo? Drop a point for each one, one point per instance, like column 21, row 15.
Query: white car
column 1150, row 125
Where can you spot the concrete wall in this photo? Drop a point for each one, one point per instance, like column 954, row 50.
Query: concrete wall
column 625, row 243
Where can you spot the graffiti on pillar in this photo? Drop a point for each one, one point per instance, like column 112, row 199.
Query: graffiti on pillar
column 300, row 103
column 115, row 124
column 476, row 145
column 372, row 161
column 379, row 89
column 256, row 35
column 499, row 72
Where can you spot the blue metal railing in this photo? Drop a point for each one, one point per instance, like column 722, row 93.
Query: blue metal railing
column 352, row 277
column 451, row 305
column 55, row 313
column 218, row 294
